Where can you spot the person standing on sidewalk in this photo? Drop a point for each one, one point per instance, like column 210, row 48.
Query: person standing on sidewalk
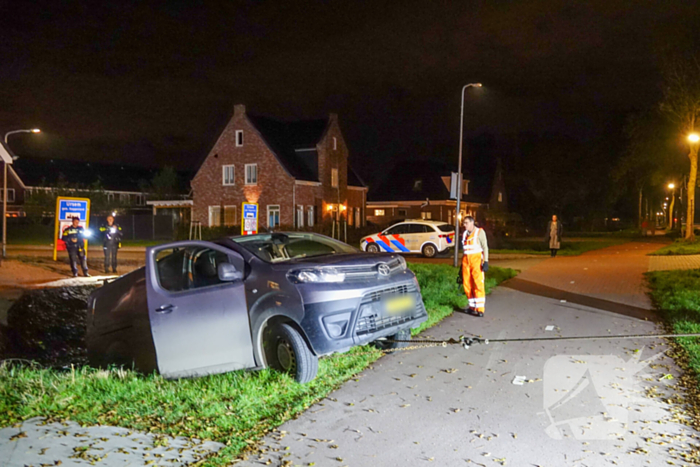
column 475, row 262
column 553, row 235
column 111, row 241
column 74, row 238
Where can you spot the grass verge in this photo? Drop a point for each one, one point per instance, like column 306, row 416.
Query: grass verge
column 679, row 247
column 676, row 294
column 567, row 248
column 235, row 408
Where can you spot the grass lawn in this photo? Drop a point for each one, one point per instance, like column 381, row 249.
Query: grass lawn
column 234, row 408
column 676, row 295
column 679, row 247
column 568, row 247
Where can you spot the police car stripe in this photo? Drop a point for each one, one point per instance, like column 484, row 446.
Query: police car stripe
column 400, row 246
column 383, row 244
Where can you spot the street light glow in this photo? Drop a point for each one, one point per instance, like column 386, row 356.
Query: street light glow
column 36, row 130
column 693, row 137
column 671, row 186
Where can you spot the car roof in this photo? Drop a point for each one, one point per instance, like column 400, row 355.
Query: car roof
column 421, row 221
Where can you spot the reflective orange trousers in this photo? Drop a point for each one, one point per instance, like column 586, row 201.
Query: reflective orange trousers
column 473, row 281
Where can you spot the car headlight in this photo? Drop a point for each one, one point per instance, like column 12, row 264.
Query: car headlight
column 402, row 262
column 316, row 275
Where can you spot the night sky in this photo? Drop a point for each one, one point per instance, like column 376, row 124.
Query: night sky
column 153, row 83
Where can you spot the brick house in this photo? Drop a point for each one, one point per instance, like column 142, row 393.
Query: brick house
column 421, row 190
column 297, row 173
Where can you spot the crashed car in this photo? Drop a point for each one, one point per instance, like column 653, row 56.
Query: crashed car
column 278, row 300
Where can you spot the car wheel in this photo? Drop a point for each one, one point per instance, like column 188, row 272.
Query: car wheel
column 372, row 248
column 286, row 351
column 429, row 250
column 403, row 335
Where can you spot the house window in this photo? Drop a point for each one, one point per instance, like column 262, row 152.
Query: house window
column 228, row 174
column 417, row 185
column 10, row 195
column 123, row 198
column 110, row 197
column 500, row 197
column 403, row 212
column 334, row 178
column 379, row 212
column 358, row 218
column 273, row 216
column 426, row 215
column 140, row 201
column 239, row 138
column 300, row 217
column 310, row 216
column 251, row 174
column 214, row 216
column 230, row 216
column 335, row 143
column 349, row 216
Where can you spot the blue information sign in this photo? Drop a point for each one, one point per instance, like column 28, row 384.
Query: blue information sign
column 249, row 223
column 70, row 208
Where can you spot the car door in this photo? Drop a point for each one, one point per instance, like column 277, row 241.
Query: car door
column 393, row 240
column 415, row 236
column 199, row 322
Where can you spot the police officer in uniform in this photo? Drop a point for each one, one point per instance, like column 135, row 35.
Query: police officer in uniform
column 74, row 238
column 111, row 241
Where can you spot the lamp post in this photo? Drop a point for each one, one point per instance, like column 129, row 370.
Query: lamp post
column 459, row 171
column 693, row 139
column 4, row 190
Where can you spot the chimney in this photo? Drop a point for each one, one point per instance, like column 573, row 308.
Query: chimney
column 238, row 109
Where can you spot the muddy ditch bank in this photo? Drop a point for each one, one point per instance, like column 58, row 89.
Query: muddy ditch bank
column 47, row 326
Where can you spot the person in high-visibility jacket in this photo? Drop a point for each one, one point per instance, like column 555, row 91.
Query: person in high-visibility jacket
column 475, row 263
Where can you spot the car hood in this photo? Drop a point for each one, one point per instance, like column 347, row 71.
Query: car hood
column 341, row 260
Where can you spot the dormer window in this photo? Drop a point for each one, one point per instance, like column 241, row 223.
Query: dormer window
column 417, row 185
column 239, row 138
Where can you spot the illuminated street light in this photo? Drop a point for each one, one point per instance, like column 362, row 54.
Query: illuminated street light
column 4, row 189
column 671, row 186
column 693, row 137
column 459, row 171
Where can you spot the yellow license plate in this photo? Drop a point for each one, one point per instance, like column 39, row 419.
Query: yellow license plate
column 399, row 304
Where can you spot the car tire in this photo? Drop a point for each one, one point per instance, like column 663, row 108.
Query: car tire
column 372, row 248
column 286, row 351
column 402, row 335
column 429, row 250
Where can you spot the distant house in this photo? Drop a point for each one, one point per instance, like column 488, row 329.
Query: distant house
column 121, row 184
column 421, row 190
column 297, row 173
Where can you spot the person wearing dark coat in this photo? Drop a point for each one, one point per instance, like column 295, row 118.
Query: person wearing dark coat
column 74, row 238
column 553, row 235
column 111, row 241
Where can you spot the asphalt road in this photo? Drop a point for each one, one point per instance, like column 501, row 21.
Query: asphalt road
column 583, row 403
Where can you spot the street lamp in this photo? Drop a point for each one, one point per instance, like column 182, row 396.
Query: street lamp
column 459, row 171
column 4, row 189
column 693, row 137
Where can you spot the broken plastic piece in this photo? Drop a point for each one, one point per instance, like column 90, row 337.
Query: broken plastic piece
column 549, row 328
column 519, row 380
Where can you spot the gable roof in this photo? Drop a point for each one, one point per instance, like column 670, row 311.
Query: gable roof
column 6, row 154
column 418, row 180
column 294, row 143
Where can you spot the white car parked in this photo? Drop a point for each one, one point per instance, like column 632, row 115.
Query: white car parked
column 412, row 236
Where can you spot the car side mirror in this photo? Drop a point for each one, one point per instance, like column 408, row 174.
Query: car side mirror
column 228, row 272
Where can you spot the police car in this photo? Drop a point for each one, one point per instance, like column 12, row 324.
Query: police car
column 412, row 236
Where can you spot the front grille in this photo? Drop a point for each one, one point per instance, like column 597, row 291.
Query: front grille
column 368, row 271
column 380, row 294
column 373, row 319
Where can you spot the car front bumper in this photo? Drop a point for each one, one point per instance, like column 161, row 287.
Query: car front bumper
column 337, row 325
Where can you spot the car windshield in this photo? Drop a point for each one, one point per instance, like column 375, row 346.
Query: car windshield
column 446, row 228
column 279, row 247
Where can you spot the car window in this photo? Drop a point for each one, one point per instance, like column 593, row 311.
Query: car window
column 397, row 229
column 446, row 228
column 189, row 268
column 418, row 228
column 279, row 247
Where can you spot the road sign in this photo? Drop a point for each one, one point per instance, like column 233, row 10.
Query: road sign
column 249, row 222
column 66, row 210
